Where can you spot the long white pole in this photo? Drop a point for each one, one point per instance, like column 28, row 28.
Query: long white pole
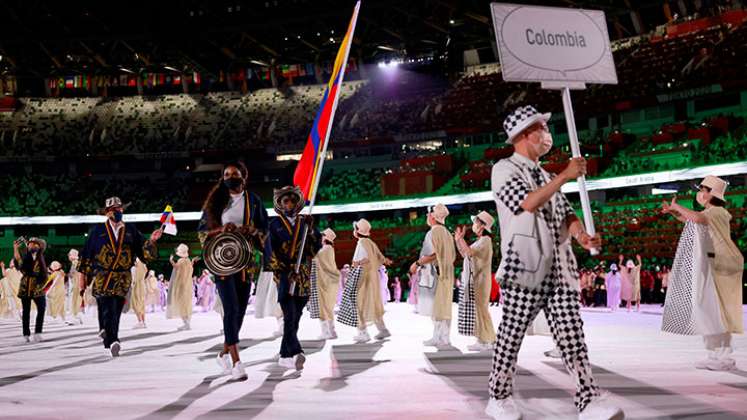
column 576, row 151
column 322, row 156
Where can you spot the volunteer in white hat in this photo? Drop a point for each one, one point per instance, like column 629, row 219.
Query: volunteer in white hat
column 438, row 254
column 477, row 272
column 370, row 307
column 709, row 265
column 327, row 283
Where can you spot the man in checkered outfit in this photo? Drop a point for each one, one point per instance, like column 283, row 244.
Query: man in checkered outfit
column 538, row 269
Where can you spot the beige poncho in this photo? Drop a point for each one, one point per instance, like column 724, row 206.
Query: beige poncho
column 370, row 307
column 482, row 257
column 727, row 268
column 443, row 245
column 180, row 290
column 140, row 288
column 328, row 282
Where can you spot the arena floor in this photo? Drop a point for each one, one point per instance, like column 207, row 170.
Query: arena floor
column 167, row 374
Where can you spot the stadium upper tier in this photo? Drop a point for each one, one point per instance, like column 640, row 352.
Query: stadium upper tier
column 390, row 104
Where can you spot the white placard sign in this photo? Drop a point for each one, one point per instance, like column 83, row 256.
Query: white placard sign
column 549, row 44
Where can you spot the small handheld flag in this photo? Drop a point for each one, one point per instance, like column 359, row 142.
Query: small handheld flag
column 168, row 223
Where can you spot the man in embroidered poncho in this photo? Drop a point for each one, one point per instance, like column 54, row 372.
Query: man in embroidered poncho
column 294, row 286
column 109, row 253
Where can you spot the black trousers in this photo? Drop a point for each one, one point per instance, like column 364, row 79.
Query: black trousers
column 110, row 310
column 41, row 306
column 292, row 307
column 234, row 295
column 99, row 314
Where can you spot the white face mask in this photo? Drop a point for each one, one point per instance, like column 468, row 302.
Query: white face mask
column 545, row 143
column 701, row 198
column 543, row 146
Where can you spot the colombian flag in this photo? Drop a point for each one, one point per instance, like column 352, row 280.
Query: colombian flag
column 309, row 167
column 168, row 222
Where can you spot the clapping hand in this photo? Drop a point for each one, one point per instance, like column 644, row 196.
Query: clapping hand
column 459, row 233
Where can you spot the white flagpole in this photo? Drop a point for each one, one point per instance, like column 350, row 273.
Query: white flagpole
column 322, row 156
column 576, row 151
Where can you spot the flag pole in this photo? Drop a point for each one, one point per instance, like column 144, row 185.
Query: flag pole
column 321, row 157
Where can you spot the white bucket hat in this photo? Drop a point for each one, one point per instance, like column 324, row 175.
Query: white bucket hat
column 182, row 251
column 485, row 218
column 716, row 185
column 329, row 234
column 440, row 212
column 521, row 119
column 363, row 227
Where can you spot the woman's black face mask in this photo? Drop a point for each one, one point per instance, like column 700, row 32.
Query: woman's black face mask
column 233, row 183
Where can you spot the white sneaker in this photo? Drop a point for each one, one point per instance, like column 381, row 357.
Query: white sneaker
column 115, row 348
column 286, row 362
column 479, row 347
column 38, row 338
column 362, row 337
column 238, row 373
column 554, row 353
column 600, row 408
column 708, row 361
column 278, row 333
column 26, row 339
column 383, row 334
column 224, row 362
column 717, row 364
column 299, row 360
column 139, row 326
column 331, row 333
column 184, row 327
column 432, row 342
column 504, row 409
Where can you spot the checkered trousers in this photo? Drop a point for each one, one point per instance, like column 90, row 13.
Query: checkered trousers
column 521, row 306
column 314, row 298
column 348, row 314
column 467, row 317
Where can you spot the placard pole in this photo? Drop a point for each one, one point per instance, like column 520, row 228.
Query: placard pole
column 570, row 121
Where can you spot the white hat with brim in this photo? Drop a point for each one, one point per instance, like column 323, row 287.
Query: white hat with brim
column 182, row 251
column 716, row 185
column 440, row 212
column 363, row 227
column 486, row 219
column 521, row 119
column 329, row 234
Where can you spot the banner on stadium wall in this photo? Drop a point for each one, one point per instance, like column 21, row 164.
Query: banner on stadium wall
column 664, row 177
column 549, row 44
column 689, row 93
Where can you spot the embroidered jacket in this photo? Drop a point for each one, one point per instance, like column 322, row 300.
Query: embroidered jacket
column 106, row 260
column 284, row 240
column 34, row 280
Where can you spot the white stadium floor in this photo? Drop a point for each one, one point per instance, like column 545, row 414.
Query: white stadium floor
column 168, row 374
